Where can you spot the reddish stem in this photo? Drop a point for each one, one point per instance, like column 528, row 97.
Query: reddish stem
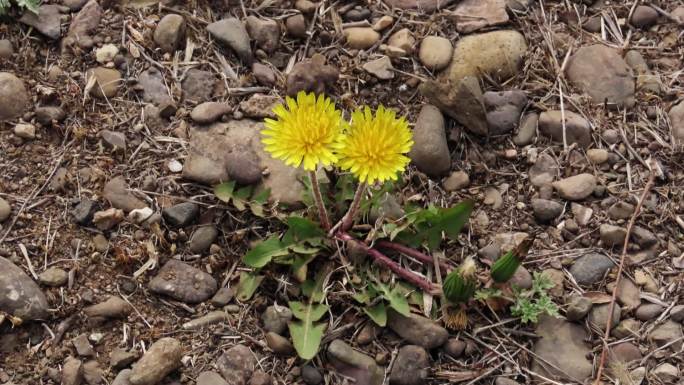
column 384, row 260
column 414, row 254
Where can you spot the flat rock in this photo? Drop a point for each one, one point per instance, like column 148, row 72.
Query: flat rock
column 571, row 359
column 411, row 367
column 72, row 371
column 576, row 187
column 83, row 212
column 577, row 308
column 354, row 364
column 546, row 210
column 265, row 32
column 115, row 140
column 279, row 344
column 621, row 210
column 581, row 213
column 14, row 100
column 162, row 358
column 427, row 6
column 5, row 210
column 644, row 17
column 183, row 282
column 648, row 311
column 624, row 352
column 209, row 112
column 170, row 32
column 233, row 151
column 83, row 346
column 612, row 84
column 259, row 106
column 381, row 68
column 93, row 373
column 116, row 192
column 666, row 333
column 612, row 235
column 181, row 214
column 232, row 33
column 430, row 151
column 46, row 115
column 84, row 24
column 20, row 296
column 275, row 319
column 107, row 82
column 123, row 378
column 628, row 294
column 461, row 99
column 361, row 37
column 643, row 237
column 590, row 268
column 598, row 316
column 577, row 129
column 106, row 219
column 121, row 358
column 210, row 378
column 456, row 181
column 498, row 54
column 154, row 90
column 113, row 307
column 676, row 115
column 47, row 21
column 202, row 238
column 417, row 330
column 503, row 110
column 53, row 276
column 198, row 85
column 311, row 75
column 236, row 364
column 544, row 170
column 472, row 15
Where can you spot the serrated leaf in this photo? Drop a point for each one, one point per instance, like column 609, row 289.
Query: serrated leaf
column 377, row 313
column 262, row 197
column 361, row 296
column 249, row 283
column 396, row 298
column 311, row 312
column 224, row 191
column 430, row 223
column 301, row 229
column 306, row 337
column 314, row 289
column 261, row 254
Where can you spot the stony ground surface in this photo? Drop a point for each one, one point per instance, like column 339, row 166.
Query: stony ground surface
column 116, row 118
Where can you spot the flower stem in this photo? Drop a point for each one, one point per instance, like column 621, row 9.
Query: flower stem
column 346, row 222
column 445, row 268
column 318, row 198
column 384, row 260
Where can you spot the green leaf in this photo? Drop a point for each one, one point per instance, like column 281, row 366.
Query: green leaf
column 263, row 253
column 377, row 313
column 262, row 197
column 248, row 284
column 224, row 191
column 430, row 223
column 306, row 337
column 397, row 299
column 311, row 312
column 301, row 229
column 362, row 296
column 315, row 289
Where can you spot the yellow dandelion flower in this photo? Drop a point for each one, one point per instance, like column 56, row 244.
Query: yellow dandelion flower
column 373, row 147
column 304, row 132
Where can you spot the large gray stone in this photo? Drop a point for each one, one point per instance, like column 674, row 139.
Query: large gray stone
column 430, row 151
column 356, row 365
column 20, row 296
column 561, row 345
column 183, row 282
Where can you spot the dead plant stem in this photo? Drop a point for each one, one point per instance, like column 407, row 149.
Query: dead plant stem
column 602, row 360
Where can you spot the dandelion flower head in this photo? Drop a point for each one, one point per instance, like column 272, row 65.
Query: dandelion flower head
column 374, row 146
column 304, row 132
